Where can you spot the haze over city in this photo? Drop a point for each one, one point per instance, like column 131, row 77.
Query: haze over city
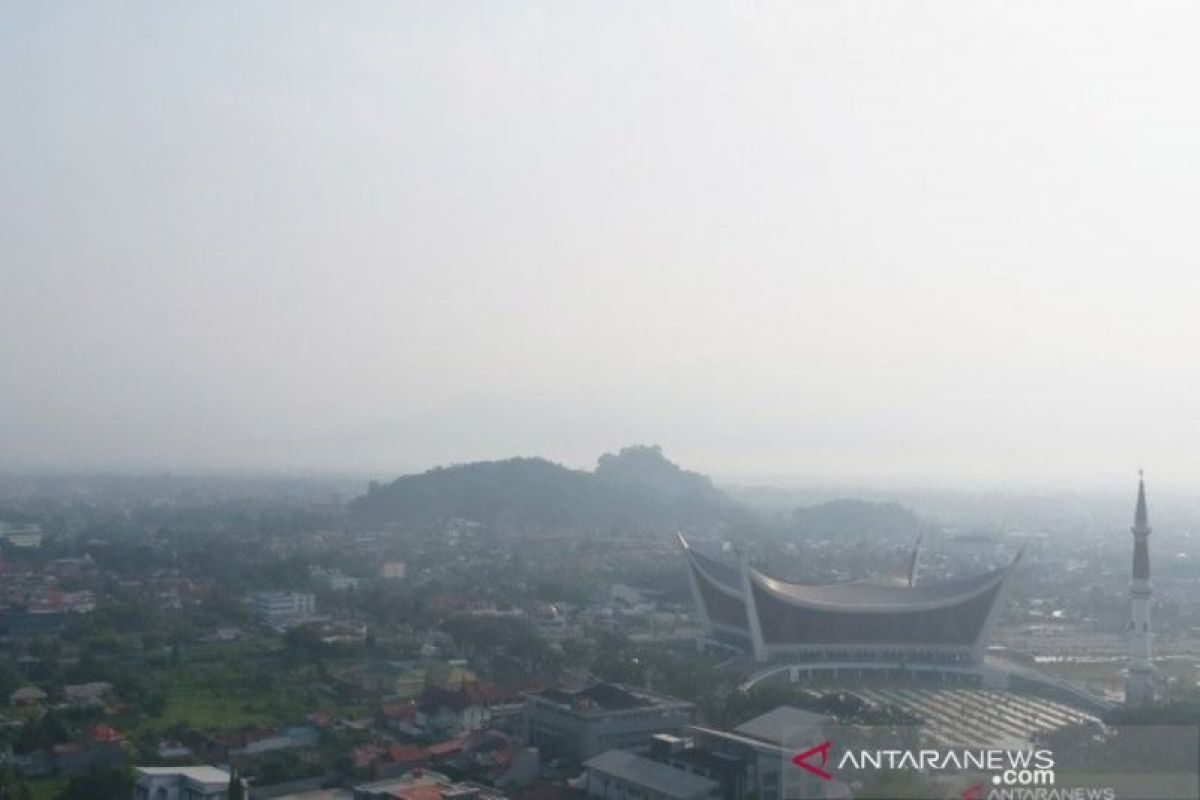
column 446, row 400
column 937, row 243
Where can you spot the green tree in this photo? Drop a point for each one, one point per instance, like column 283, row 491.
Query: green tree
column 105, row 784
column 12, row 787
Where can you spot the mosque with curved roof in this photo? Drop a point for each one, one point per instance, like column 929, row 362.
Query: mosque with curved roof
column 945, row 623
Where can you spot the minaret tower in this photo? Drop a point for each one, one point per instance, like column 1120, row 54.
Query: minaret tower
column 1139, row 686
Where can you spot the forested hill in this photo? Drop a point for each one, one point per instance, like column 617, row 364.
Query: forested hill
column 637, row 488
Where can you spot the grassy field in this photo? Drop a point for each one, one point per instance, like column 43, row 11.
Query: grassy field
column 247, row 688
column 206, row 709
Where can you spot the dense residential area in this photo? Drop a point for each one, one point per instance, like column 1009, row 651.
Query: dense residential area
column 342, row 348
column 274, row 641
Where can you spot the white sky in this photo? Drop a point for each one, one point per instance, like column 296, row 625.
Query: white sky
column 951, row 243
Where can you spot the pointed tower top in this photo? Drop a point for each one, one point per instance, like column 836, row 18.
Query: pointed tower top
column 1141, row 518
column 912, row 563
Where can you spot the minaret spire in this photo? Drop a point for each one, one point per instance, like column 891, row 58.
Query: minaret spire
column 1139, row 686
column 1141, row 518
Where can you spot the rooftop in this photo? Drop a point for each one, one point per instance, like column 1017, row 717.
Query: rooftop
column 606, row 697
column 778, row 725
column 661, row 778
column 884, row 595
column 424, row 785
column 201, row 774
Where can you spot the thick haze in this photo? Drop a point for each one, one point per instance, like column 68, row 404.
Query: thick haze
column 897, row 243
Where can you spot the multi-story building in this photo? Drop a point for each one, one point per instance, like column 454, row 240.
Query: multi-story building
column 746, row 762
column 393, row 570
column 283, row 609
column 180, row 783
column 581, row 724
column 25, row 536
column 620, row 775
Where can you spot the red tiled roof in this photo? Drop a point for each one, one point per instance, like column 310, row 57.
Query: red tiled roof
column 365, row 755
column 407, row 754
column 105, row 733
column 448, row 747
column 322, row 719
column 486, row 693
column 399, row 711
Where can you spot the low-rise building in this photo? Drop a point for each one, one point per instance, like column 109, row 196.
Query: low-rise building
column 283, row 609
column 180, row 783
column 335, row 579
column 445, row 712
column 88, row 695
column 745, row 762
column 581, row 724
column 25, row 536
column 620, row 775
column 27, row 696
column 423, row 784
column 285, row 739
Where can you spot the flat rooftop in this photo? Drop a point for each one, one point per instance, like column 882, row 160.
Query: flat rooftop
column 201, row 774
column 666, row 780
column 601, row 697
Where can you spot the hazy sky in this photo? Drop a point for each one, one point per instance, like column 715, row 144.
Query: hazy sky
column 949, row 243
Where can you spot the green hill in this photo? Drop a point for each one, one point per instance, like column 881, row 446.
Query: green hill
column 637, row 488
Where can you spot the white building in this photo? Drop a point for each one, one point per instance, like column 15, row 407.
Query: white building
column 283, row 609
column 26, row 536
column 335, row 579
column 621, row 775
column 181, row 783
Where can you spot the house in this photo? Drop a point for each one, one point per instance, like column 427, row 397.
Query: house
column 400, row 717
column 444, row 751
column 27, row 696
column 88, row 695
column 446, row 712
column 393, row 570
column 322, row 720
column 102, row 733
column 365, row 756
column 423, row 784
column 492, row 757
column 451, row 674
column 405, row 758
column 173, row 751
column 254, row 742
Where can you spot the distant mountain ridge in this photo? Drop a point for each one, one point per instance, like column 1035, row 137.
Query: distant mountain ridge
column 635, row 488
